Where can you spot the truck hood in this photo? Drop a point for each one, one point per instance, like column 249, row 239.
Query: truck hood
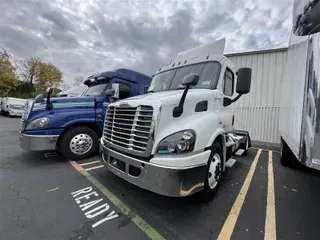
column 68, row 102
column 168, row 98
column 70, row 99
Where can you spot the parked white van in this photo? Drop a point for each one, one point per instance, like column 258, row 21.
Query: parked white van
column 12, row 106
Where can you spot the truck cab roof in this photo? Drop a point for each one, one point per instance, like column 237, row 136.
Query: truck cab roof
column 122, row 73
column 204, row 53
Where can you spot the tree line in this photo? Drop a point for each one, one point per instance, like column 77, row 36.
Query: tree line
column 28, row 77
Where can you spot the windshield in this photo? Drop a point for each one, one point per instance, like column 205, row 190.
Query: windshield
column 96, row 90
column 172, row 79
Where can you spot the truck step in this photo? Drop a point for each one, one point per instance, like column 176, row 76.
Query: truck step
column 230, row 144
column 239, row 152
column 230, row 163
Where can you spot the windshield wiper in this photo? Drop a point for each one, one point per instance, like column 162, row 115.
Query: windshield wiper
column 151, row 91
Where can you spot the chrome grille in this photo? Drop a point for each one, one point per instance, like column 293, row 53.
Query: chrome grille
column 25, row 115
column 129, row 127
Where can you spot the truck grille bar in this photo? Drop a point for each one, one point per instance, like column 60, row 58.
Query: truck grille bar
column 129, row 127
column 24, row 116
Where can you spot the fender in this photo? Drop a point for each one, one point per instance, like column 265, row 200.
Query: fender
column 65, row 118
column 219, row 131
column 77, row 121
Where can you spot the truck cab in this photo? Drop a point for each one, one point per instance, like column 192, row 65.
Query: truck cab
column 73, row 125
column 176, row 140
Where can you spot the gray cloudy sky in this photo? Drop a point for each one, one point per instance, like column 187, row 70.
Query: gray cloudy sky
column 83, row 37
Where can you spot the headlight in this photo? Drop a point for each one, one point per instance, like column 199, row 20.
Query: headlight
column 39, row 123
column 180, row 142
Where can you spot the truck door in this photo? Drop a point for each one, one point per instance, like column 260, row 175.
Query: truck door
column 228, row 86
column 126, row 89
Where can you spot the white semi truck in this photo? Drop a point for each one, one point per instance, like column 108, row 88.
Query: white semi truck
column 12, row 106
column 300, row 98
column 177, row 139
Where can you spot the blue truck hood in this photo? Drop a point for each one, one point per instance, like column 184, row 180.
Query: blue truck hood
column 67, row 102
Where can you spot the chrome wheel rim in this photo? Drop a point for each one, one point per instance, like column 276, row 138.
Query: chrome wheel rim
column 214, row 171
column 81, row 144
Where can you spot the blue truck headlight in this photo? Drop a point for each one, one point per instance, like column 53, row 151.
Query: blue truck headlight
column 39, row 123
column 180, row 142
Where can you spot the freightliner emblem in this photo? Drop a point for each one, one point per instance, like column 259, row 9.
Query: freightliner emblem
column 124, row 104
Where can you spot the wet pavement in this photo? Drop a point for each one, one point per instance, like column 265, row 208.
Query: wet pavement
column 43, row 196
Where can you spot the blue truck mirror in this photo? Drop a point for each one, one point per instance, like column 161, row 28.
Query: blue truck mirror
column 116, row 88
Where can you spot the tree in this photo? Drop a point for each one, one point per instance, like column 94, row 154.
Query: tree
column 78, row 81
column 29, row 69
column 47, row 76
column 8, row 76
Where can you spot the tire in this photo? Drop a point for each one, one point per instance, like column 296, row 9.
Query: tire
column 212, row 182
column 287, row 157
column 78, row 143
column 246, row 146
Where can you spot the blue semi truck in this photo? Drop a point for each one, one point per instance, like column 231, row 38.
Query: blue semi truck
column 73, row 125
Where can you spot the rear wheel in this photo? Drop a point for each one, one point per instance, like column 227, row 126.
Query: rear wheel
column 287, row 157
column 246, row 145
column 79, row 143
column 213, row 174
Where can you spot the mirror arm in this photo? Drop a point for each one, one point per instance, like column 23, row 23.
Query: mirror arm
column 177, row 111
column 49, row 104
column 236, row 98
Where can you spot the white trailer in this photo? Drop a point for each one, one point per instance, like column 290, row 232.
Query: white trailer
column 177, row 139
column 300, row 98
column 12, row 106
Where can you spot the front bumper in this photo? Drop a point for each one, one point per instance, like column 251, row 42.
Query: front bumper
column 38, row 142
column 18, row 113
column 162, row 180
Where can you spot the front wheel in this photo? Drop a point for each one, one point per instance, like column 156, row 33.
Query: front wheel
column 79, row 143
column 213, row 174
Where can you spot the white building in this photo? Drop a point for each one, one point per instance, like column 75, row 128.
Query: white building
column 258, row 111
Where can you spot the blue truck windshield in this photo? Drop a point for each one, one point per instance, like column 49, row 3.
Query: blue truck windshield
column 172, row 79
column 95, row 90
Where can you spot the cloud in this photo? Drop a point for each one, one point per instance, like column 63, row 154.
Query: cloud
column 86, row 37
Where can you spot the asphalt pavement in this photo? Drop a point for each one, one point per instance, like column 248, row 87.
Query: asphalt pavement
column 43, row 196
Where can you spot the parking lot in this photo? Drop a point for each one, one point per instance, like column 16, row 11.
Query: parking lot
column 43, row 196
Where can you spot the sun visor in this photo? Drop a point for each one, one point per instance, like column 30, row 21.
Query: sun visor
column 215, row 48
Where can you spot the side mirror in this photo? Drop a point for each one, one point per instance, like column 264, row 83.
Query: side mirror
column 39, row 98
column 49, row 90
column 190, row 80
column 114, row 92
column 306, row 17
column 244, row 80
column 49, row 105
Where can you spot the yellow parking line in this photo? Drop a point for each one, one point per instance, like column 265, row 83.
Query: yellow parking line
column 88, row 163
column 270, row 223
column 89, row 169
column 229, row 224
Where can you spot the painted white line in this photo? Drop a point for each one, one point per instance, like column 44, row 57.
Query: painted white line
column 270, row 223
column 53, row 189
column 229, row 224
column 266, row 149
column 96, row 167
column 88, row 163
